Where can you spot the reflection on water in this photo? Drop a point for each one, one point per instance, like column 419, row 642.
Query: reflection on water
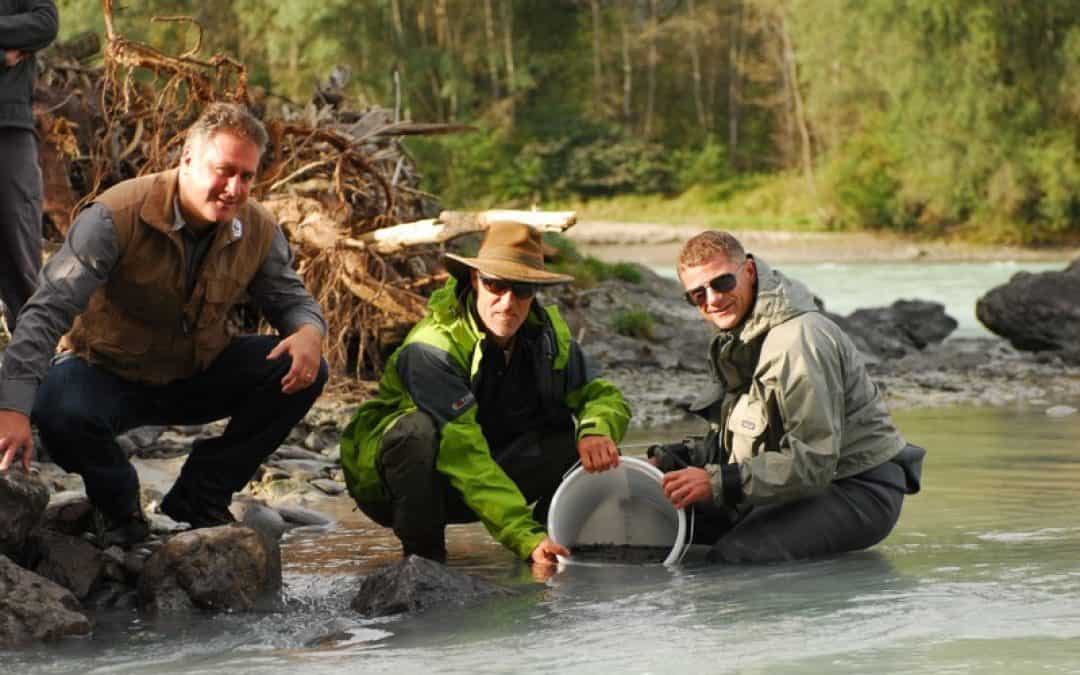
column 981, row 575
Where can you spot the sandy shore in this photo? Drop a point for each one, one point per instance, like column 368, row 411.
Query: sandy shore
column 659, row 244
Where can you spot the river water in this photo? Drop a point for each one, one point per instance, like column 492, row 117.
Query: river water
column 982, row 574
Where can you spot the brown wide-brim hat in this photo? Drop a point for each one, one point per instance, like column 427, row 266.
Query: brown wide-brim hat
column 511, row 251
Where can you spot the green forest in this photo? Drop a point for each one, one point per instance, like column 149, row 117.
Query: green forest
column 924, row 117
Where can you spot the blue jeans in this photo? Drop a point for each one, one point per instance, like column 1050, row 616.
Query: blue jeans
column 80, row 409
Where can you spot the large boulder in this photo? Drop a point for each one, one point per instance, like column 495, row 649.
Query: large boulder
column 33, row 608
column 901, row 328
column 232, row 567
column 1036, row 312
column 23, row 499
column 417, row 584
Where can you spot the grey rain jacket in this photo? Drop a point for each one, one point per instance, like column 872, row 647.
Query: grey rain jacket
column 793, row 408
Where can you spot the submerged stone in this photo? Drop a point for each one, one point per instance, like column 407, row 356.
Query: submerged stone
column 416, row 585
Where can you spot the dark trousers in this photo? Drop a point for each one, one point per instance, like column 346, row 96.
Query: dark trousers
column 852, row 514
column 422, row 501
column 80, row 409
column 20, row 220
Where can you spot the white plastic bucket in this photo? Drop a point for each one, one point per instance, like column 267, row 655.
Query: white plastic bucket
column 624, row 506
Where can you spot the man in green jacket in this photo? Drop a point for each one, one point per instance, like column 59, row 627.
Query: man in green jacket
column 482, row 409
column 801, row 458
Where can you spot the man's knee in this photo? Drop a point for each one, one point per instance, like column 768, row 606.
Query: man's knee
column 412, row 443
column 60, row 411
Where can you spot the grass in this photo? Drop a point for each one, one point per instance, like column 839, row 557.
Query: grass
column 773, row 202
column 635, row 323
column 587, row 270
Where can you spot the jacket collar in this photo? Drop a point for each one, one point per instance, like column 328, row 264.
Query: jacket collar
column 157, row 208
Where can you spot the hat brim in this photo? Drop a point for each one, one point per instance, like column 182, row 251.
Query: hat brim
column 504, row 269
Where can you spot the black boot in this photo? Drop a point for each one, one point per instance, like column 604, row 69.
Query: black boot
column 197, row 511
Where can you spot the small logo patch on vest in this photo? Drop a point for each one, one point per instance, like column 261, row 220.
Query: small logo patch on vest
column 237, row 228
column 462, row 402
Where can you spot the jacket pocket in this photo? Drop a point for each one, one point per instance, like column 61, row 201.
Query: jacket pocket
column 221, row 295
column 746, row 427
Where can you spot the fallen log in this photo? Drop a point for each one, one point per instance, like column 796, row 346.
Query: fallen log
column 452, row 224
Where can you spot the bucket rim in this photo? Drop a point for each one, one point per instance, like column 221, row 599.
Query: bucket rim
column 681, row 544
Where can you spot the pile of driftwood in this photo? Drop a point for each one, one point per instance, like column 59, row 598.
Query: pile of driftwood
column 339, row 181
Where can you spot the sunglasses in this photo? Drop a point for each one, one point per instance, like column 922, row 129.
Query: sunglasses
column 520, row 289
column 725, row 283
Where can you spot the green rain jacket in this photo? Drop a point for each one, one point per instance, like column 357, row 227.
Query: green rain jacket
column 435, row 370
column 794, row 408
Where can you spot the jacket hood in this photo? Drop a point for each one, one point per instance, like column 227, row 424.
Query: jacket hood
column 779, row 299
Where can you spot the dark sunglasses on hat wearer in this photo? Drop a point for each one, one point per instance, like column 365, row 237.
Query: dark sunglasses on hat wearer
column 725, row 283
column 520, row 289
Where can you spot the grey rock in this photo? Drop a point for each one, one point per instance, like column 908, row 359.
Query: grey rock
column 72, row 562
column 896, row 330
column 33, row 608
column 321, row 438
column 69, row 512
column 268, row 474
column 416, row 585
column 261, row 517
column 279, row 489
column 333, row 453
column 293, row 452
column 299, row 516
column 227, row 568
column 23, row 498
column 1036, row 312
column 304, row 467
column 327, row 486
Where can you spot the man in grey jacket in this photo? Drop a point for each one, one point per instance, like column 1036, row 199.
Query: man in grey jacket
column 801, row 458
column 141, row 291
column 26, row 26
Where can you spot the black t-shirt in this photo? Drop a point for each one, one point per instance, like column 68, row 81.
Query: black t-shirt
column 507, row 396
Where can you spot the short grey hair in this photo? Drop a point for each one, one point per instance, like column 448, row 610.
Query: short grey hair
column 231, row 117
column 703, row 247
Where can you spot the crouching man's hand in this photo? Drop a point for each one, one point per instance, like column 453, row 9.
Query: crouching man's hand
column 15, row 439
column 687, row 486
column 598, row 453
column 546, row 551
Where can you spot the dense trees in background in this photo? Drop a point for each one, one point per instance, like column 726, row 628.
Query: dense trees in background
column 916, row 115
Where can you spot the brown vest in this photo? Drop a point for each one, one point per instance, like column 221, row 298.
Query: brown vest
column 139, row 325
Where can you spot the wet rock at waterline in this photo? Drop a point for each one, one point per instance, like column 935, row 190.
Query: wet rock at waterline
column 899, row 329
column 23, row 498
column 231, row 568
column 1037, row 312
column 417, row 584
column 33, row 608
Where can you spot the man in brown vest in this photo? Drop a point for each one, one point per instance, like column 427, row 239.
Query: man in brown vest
column 142, row 286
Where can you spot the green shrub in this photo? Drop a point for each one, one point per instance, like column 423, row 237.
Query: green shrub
column 587, row 270
column 636, row 323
